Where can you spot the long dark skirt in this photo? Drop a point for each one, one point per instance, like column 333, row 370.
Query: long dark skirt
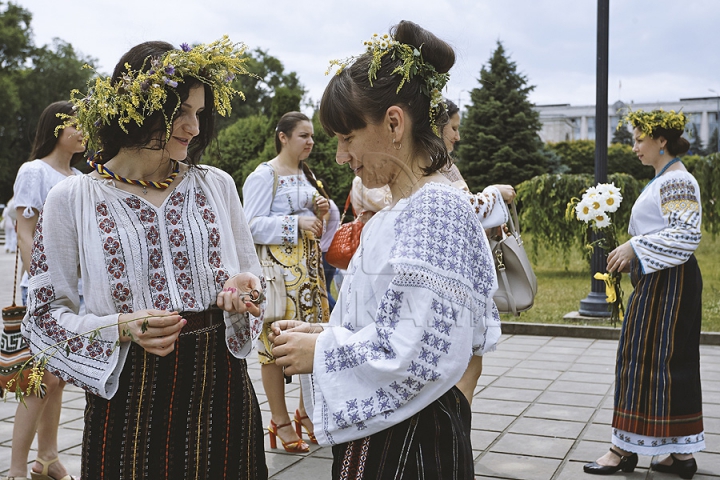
column 191, row 415
column 658, row 397
column 432, row 444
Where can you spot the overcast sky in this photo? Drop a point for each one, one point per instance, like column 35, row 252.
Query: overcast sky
column 660, row 50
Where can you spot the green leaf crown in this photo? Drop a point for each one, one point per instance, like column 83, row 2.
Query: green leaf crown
column 138, row 94
column 412, row 65
column 648, row 122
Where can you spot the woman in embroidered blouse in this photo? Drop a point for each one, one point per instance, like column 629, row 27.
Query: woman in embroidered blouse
column 417, row 303
column 658, row 399
column 285, row 211
column 51, row 158
column 161, row 240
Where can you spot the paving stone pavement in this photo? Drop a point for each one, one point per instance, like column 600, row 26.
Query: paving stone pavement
column 542, row 408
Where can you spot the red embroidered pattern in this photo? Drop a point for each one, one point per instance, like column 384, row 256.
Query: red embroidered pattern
column 119, row 285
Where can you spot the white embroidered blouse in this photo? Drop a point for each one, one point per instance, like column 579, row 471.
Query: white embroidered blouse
column 665, row 221
column 274, row 220
column 417, row 303
column 132, row 256
column 32, row 185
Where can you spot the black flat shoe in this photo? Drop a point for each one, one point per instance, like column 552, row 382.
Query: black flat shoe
column 627, row 464
column 684, row 468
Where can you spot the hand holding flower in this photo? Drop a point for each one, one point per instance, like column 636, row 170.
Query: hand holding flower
column 154, row 330
column 620, row 258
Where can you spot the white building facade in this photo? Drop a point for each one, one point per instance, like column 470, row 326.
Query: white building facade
column 566, row 122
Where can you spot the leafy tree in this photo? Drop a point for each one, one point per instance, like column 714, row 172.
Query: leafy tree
column 335, row 178
column 621, row 159
column 577, row 155
column 499, row 131
column 622, row 136
column 260, row 88
column 544, row 202
column 30, row 78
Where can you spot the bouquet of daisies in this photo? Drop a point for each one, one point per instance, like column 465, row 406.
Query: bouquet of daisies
column 594, row 209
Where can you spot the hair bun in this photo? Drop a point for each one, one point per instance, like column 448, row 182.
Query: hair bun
column 436, row 52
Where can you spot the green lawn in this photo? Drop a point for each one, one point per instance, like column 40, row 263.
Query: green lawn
column 561, row 287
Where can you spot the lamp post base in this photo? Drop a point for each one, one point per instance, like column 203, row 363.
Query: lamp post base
column 595, row 305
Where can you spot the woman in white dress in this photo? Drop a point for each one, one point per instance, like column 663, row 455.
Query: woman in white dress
column 52, row 156
column 286, row 211
column 417, row 303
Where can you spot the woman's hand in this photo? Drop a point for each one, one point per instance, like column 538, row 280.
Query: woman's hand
column 154, row 330
column 507, row 191
column 293, row 349
column 620, row 258
column 236, row 294
column 311, row 224
column 322, row 206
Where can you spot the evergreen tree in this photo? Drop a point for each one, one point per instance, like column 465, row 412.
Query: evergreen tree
column 712, row 145
column 696, row 147
column 622, row 136
column 500, row 143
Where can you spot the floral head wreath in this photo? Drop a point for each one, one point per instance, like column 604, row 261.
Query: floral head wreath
column 140, row 93
column 412, row 65
column 648, row 122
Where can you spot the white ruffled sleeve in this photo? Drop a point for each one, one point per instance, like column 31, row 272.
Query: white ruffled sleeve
column 267, row 228
column 490, row 207
column 680, row 208
column 29, row 193
column 83, row 350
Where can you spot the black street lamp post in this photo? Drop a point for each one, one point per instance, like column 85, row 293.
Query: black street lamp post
column 595, row 304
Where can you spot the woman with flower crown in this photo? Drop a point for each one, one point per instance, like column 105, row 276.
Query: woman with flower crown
column 172, row 287
column 417, row 301
column 658, row 398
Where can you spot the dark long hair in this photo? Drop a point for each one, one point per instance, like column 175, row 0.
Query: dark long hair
column 45, row 139
column 153, row 129
column 350, row 102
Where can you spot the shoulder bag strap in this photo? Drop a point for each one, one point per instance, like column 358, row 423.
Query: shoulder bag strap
column 17, row 253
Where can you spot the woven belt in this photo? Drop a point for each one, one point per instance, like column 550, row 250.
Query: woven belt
column 196, row 321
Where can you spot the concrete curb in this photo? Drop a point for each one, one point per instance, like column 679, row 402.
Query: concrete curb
column 582, row 331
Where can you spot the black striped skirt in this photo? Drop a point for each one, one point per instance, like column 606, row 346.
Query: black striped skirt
column 658, row 396
column 432, row 444
column 192, row 415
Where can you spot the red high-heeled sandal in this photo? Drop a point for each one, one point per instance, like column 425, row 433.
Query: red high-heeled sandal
column 299, row 427
column 298, row 446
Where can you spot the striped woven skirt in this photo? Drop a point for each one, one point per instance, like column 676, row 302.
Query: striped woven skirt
column 658, row 398
column 432, row 444
column 191, row 415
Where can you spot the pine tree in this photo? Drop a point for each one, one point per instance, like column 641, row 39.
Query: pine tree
column 622, row 136
column 500, row 142
column 712, row 145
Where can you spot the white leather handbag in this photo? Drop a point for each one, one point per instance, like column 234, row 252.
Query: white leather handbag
column 517, row 284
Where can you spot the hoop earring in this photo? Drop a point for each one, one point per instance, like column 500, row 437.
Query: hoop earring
column 662, row 151
column 398, row 146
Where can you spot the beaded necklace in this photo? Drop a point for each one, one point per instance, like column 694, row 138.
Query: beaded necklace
column 162, row 185
column 671, row 162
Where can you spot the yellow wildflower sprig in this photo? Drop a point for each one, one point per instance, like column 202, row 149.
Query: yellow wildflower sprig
column 648, row 122
column 140, row 93
column 40, row 360
column 412, row 65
